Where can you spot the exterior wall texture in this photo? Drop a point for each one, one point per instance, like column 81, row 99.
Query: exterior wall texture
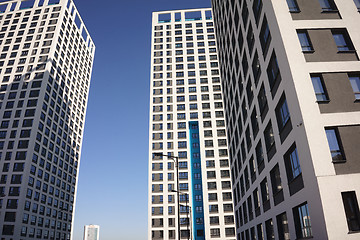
column 46, row 63
column 292, row 115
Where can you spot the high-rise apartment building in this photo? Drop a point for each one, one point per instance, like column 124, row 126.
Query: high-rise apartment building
column 291, row 81
column 91, row 232
column 187, row 121
column 46, row 58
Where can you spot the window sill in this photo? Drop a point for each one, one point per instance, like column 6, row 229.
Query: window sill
column 357, row 100
column 292, row 180
column 295, row 11
column 304, row 238
column 323, row 101
column 353, row 232
column 348, row 51
column 308, row 51
column 339, row 161
column 330, row 11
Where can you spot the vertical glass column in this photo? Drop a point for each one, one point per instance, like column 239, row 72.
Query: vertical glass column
column 198, row 228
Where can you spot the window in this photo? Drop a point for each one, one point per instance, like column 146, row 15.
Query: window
column 256, row 68
column 334, row 144
column 263, row 106
column 302, row 221
column 265, row 36
column 283, row 227
column 250, row 39
column 293, row 6
column 257, row 6
column 215, row 232
column 264, row 191
column 357, row 3
column 269, row 230
column 351, row 207
column 269, row 137
column 327, row 5
column 355, row 84
column 259, row 154
column 319, row 89
column 273, row 71
column 342, row 40
column 305, row 41
column 282, row 113
column 292, row 163
column 275, row 179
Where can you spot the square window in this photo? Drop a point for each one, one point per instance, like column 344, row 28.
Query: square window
column 342, row 40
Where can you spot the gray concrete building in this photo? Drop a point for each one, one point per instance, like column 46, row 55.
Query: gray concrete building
column 291, row 82
column 46, row 57
column 187, row 121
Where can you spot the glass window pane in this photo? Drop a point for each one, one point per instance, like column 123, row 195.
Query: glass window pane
column 355, row 84
column 295, row 165
column 293, row 7
column 335, row 150
column 340, row 42
column 304, row 41
column 351, row 208
column 318, row 88
column 357, row 3
column 331, row 136
column 326, row 5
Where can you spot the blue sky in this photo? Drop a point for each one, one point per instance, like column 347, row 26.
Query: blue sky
column 112, row 189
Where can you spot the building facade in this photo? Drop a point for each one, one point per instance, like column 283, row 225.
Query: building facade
column 187, row 121
column 46, row 60
column 91, row 232
column 290, row 78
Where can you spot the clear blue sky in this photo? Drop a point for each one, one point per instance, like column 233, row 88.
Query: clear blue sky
column 112, row 189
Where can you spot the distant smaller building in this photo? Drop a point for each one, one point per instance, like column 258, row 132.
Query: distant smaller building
column 91, row 232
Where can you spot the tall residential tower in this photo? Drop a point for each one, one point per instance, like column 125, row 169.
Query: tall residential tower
column 291, row 83
column 187, row 121
column 46, row 57
column 91, row 232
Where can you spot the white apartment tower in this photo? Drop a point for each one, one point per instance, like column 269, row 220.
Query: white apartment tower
column 91, row 232
column 187, row 121
column 46, row 57
column 291, row 82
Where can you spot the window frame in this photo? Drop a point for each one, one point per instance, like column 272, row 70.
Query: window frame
column 357, row 4
column 356, row 85
column 323, row 92
column 352, row 212
column 292, row 163
column 346, row 45
column 328, row 6
column 265, row 36
column 303, row 229
column 339, row 151
column 283, row 118
column 274, row 73
column 293, row 6
column 306, row 45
